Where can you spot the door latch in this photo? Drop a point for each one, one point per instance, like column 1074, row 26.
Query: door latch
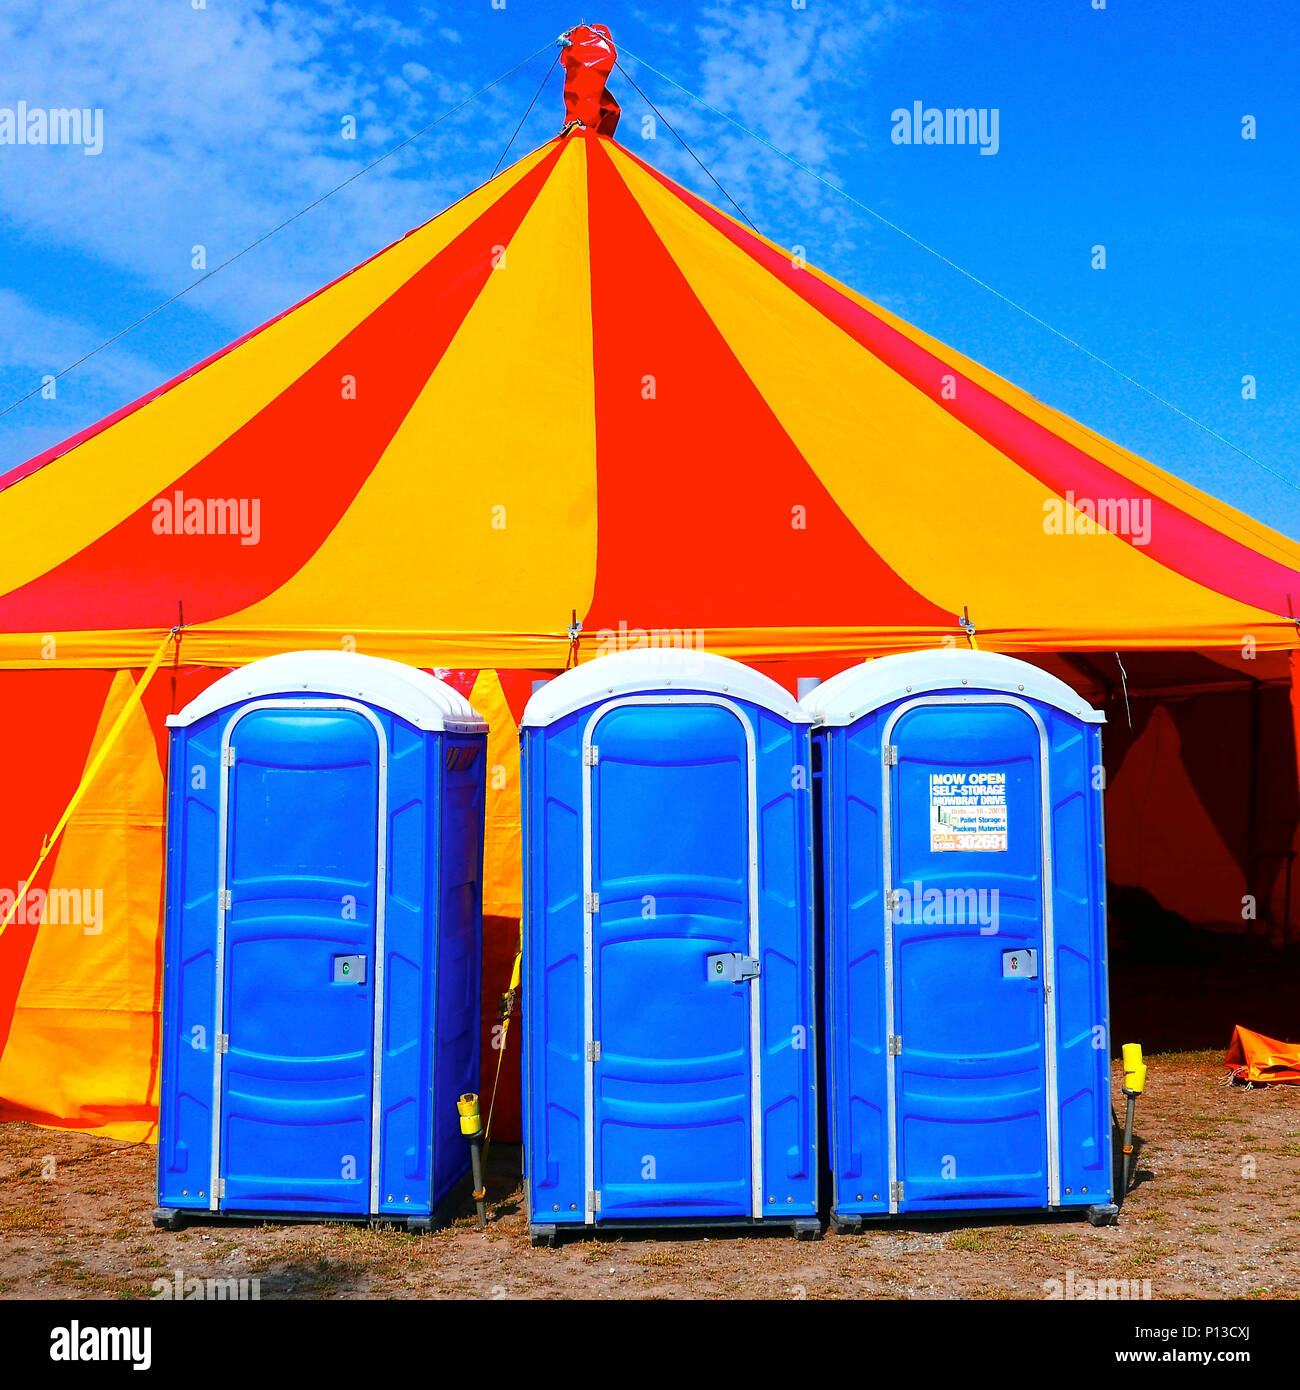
column 349, row 970
column 733, row 967
column 1021, row 963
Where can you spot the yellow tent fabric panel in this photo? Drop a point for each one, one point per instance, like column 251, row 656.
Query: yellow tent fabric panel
column 481, row 514
column 502, row 870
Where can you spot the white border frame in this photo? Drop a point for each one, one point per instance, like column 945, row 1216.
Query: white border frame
column 1049, row 934
column 381, row 898
column 588, row 1003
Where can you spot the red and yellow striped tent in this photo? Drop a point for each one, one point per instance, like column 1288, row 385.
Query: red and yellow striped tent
column 583, row 391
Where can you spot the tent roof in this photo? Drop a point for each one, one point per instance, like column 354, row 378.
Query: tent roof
column 582, row 389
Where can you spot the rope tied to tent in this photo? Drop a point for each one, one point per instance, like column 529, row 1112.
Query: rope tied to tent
column 1123, row 681
column 682, row 142
column 527, row 112
column 507, row 1013
column 960, row 269
column 509, row 998
column 575, row 640
column 279, row 227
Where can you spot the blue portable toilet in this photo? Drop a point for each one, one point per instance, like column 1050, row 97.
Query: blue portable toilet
column 964, row 915
column 321, row 946
column 670, row 1064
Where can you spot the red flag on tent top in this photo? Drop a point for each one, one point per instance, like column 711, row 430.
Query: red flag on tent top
column 588, row 57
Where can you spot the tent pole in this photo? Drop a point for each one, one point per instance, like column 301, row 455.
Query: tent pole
column 1262, row 914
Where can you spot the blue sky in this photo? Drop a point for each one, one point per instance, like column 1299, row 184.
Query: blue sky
column 1120, row 127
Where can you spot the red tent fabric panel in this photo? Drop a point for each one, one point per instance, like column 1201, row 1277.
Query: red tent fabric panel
column 699, row 482
column 1202, row 806
column 51, row 716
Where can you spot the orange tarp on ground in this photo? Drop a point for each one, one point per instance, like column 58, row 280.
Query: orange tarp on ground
column 579, row 391
column 1253, row 1057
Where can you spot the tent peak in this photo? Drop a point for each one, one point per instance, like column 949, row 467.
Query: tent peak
column 588, row 54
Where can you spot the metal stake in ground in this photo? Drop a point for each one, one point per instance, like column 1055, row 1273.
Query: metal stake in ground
column 1135, row 1080
column 471, row 1126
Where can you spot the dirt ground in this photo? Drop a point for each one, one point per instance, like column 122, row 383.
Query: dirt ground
column 1215, row 1214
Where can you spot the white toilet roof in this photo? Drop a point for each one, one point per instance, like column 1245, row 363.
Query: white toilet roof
column 416, row 696
column 846, row 697
column 655, row 670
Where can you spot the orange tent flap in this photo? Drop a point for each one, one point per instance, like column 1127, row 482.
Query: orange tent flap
column 1253, row 1057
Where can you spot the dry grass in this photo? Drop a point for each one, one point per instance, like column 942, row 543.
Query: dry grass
column 1196, row 1225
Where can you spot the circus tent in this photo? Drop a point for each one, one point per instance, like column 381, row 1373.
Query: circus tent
column 581, row 410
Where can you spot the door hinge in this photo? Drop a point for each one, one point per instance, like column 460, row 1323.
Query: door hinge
column 895, row 1044
column 892, row 900
column 890, row 752
column 223, row 900
column 219, row 1188
column 223, row 1044
column 895, row 1191
column 590, row 755
column 593, row 1052
column 593, row 1202
column 593, row 902
column 228, row 756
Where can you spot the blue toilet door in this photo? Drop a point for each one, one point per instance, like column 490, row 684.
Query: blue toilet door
column 970, row 961
column 302, row 871
column 672, row 1087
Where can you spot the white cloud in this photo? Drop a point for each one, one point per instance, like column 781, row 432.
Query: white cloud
column 37, row 342
column 774, row 69
column 219, row 123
